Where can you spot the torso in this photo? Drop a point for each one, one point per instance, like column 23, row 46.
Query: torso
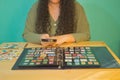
column 54, row 15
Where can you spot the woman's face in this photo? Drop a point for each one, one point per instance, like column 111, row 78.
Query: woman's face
column 54, row 1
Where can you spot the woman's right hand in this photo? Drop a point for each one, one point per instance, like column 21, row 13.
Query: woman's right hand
column 45, row 36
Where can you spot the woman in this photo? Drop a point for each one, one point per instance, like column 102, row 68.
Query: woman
column 63, row 20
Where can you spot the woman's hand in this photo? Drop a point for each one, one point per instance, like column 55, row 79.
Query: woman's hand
column 68, row 38
column 45, row 36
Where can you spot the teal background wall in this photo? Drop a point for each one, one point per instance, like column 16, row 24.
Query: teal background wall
column 103, row 17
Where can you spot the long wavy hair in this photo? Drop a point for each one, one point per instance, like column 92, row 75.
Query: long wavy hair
column 65, row 20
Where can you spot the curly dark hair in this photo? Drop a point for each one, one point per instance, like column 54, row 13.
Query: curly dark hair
column 65, row 21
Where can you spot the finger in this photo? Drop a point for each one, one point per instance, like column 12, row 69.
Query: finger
column 58, row 43
column 44, row 36
column 47, row 36
column 44, row 44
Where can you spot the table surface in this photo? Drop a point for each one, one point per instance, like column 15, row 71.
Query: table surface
column 66, row 74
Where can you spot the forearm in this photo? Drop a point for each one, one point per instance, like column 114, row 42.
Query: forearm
column 81, row 36
column 32, row 37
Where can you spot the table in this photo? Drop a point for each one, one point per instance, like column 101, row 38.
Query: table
column 69, row 74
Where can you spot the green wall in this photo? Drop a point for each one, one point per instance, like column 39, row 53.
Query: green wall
column 103, row 17
column 12, row 19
